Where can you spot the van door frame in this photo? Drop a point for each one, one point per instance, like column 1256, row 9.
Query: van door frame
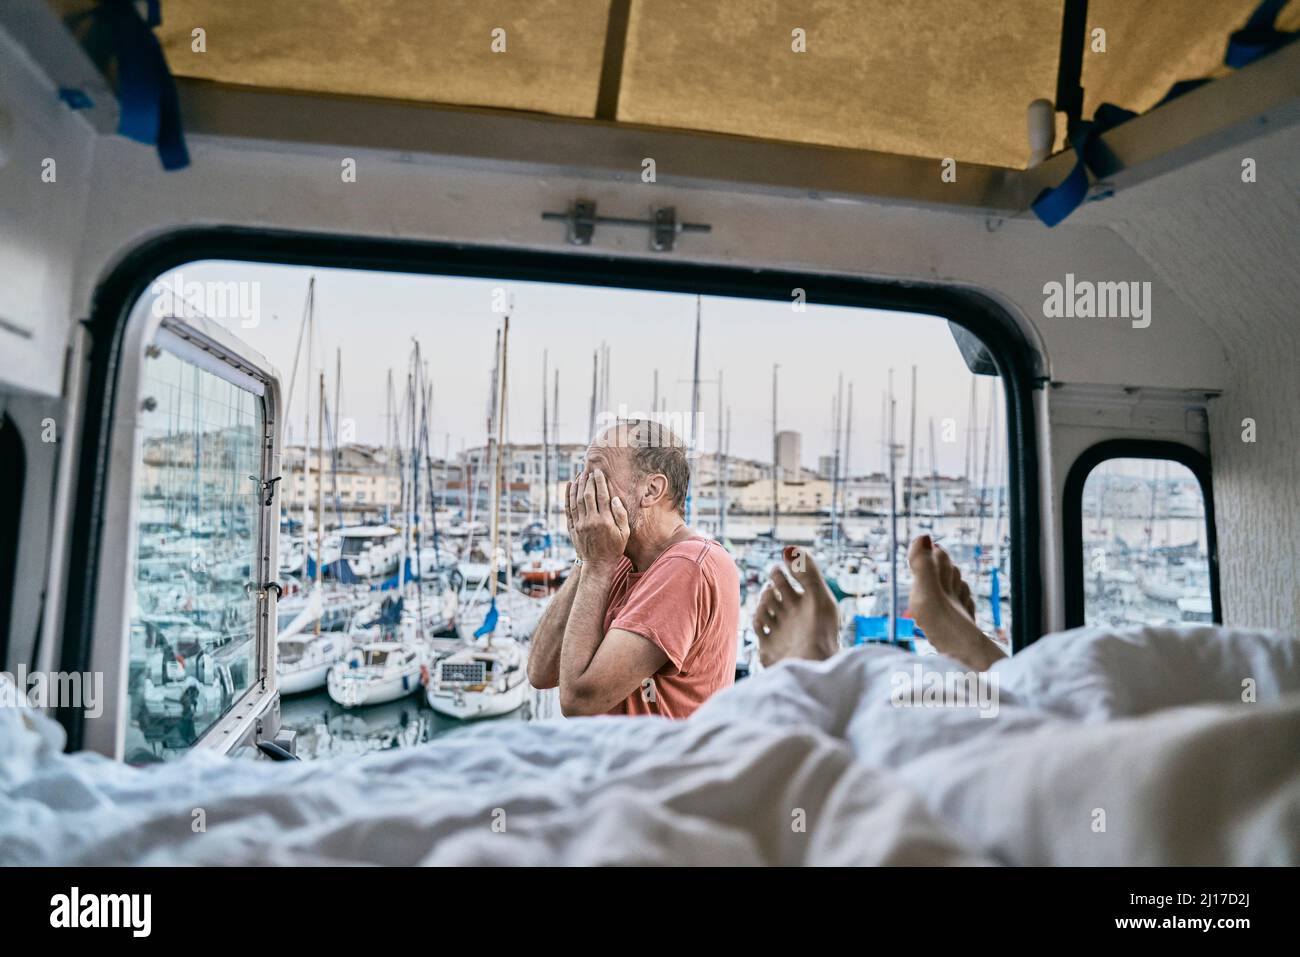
column 1018, row 363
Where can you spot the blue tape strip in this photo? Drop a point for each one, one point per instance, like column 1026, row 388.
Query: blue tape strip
column 1256, row 39
column 1259, row 37
column 75, row 99
column 150, row 107
column 1058, row 202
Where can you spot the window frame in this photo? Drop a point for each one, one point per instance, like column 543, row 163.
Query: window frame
column 114, row 578
column 1018, row 363
column 1072, row 512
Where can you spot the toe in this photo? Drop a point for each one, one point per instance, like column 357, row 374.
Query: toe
column 799, row 562
column 778, row 588
column 920, row 551
column 923, row 557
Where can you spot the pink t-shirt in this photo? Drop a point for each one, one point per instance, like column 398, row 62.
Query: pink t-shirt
column 688, row 603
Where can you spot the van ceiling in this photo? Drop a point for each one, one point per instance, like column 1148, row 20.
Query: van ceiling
column 930, row 78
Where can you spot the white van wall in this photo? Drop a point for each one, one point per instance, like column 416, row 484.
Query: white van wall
column 1227, row 250
column 46, row 156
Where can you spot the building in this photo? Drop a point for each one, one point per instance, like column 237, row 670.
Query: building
column 789, row 453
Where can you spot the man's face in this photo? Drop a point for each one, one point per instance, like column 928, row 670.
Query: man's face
column 611, row 453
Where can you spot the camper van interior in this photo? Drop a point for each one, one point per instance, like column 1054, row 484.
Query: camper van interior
column 650, row 432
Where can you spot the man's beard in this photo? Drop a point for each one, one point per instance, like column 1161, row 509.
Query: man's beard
column 634, row 518
column 633, row 521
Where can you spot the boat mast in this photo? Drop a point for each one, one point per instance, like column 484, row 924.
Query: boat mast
column 408, row 496
column 336, row 458
column 490, row 450
column 508, row 550
column 320, row 491
column 848, row 443
column 893, row 523
column 417, row 444
column 717, row 473
column 555, row 438
column 604, row 375
column 388, row 436
column 427, row 445
column 936, row 506
column 695, row 409
column 909, row 495
column 497, row 469
column 726, row 475
column 995, row 593
column 775, row 509
column 310, row 321
column 288, row 403
column 984, row 483
column 546, row 456
column 966, row 468
column 595, row 370
column 837, row 412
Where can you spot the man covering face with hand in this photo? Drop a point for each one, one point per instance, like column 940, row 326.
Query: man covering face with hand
column 647, row 623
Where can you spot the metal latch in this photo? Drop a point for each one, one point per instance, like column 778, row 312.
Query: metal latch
column 252, row 588
column 268, row 487
column 581, row 221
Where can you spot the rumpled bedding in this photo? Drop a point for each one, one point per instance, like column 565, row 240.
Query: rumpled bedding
column 1146, row 746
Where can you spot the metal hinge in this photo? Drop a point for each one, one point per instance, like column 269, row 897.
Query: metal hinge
column 581, row 221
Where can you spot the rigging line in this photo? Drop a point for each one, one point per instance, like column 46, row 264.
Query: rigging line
column 297, row 349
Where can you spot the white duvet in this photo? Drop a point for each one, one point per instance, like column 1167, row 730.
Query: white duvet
column 1145, row 746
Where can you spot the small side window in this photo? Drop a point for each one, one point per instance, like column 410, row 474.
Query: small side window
column 1147, row 547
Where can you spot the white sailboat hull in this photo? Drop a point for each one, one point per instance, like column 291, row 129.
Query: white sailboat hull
column 479, row 682
column 469, row 705
column 305, row 679
column 355, row 691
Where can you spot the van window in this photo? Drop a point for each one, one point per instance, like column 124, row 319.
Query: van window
column 193, row 645
column 1146, row 545
column 845, row 430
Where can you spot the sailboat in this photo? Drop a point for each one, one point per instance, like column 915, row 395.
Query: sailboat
column 303, row 659
column 540, row 570
column 488, row 676
column 377, row 672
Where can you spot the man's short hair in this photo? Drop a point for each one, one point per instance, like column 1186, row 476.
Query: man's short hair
column 657, row 450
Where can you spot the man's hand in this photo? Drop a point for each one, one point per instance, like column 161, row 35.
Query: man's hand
column 571, row 490
column 599, row 525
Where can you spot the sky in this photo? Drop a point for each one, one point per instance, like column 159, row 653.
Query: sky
column 373, row 318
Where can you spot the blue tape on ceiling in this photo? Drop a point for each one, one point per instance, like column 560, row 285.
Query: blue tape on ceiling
column 1259, row 37
column 146, row 92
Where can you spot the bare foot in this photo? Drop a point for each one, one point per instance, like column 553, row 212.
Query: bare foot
column 941, row 603
column 794, row 624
